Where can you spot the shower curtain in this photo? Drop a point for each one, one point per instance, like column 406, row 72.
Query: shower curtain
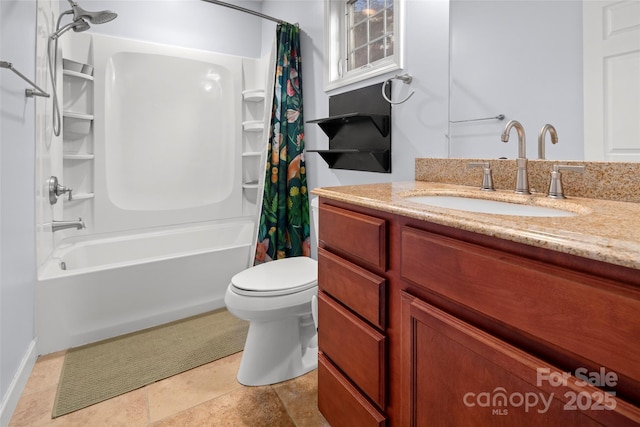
column 284, row 221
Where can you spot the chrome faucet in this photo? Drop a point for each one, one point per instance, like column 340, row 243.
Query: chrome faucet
column 541, row 135
column 522, row 180
column 61, row 225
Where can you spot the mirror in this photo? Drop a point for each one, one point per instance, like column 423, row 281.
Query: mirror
column 524, row 60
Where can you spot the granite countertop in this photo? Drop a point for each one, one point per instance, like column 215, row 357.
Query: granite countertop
column 602, row 230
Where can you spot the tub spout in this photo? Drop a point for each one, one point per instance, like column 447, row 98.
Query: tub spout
column 61, row 225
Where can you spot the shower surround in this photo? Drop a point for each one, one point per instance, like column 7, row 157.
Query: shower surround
column 163, row 154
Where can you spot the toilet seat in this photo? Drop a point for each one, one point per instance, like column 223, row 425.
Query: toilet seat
column 280, row 277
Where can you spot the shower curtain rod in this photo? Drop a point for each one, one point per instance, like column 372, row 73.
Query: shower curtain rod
column 242, row 9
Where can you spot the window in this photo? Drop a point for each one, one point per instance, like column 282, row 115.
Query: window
column 363, row 38
column 369, row 32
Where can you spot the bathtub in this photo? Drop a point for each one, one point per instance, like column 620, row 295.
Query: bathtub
column 158, row 180
column 103, row 286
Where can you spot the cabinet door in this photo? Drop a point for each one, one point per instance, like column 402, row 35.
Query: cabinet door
column 456, row 374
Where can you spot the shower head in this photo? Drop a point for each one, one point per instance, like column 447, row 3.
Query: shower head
column 77, row 26
column 80, row 17
column 99, row 17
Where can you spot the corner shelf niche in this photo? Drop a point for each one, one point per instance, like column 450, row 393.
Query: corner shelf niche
column 77, row 155
column 77, row 74
column 359, row 130
column 253, row 95
column 253, row 126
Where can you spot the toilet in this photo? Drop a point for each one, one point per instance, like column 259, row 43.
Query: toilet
column 277, row 298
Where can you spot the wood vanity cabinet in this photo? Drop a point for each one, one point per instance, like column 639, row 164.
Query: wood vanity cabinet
column 352, row 260
column 470, row 329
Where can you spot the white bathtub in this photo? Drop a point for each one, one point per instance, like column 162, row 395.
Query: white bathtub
column 167, row 221
column 117, row 284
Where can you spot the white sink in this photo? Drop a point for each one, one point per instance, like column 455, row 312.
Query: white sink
column 470, row 204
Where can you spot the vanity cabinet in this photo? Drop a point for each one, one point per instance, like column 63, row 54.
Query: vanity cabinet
column 476, row 329
column 352, row 373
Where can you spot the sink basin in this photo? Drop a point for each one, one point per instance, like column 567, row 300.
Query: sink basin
column 485, row 206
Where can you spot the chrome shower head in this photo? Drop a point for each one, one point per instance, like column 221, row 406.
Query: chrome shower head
column 99, row 17
column 77, row 26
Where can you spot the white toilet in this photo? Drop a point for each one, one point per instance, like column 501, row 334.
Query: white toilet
column 276, row 298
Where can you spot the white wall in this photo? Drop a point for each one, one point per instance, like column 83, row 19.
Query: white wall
column 17, row 217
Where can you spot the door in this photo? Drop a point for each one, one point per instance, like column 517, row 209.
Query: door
column 611, row 48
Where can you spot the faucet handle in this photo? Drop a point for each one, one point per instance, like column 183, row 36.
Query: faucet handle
column 56, row 190
column 487, row 178
column 61, row 189
column 555, row 187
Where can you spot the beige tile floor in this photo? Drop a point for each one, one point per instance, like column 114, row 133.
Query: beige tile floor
column 205, row 396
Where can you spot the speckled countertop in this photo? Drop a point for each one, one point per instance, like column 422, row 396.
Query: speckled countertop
column 603, row 230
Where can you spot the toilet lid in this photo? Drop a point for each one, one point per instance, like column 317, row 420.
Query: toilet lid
column 280, row 277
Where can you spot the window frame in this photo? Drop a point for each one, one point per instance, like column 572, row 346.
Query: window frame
column 335, row 67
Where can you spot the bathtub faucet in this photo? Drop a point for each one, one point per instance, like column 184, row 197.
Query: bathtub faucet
column 61, row 225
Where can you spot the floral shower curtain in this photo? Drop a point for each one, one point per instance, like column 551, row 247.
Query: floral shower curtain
column 284, row 222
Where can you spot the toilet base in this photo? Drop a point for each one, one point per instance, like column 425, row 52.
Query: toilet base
column 275, row 351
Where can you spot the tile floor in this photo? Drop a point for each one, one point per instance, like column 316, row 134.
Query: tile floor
column 205, row 396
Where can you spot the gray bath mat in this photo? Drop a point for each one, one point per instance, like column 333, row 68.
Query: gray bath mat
column 102, row 370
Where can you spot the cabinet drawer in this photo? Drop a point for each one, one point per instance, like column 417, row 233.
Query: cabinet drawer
column 362, row 291
column 340, row 402
column 354, row 346
column 361, row 236
column 581, row 314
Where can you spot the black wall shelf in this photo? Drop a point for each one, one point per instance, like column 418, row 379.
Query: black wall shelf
column 331, row 125
column 367, row 160
column 359, row 130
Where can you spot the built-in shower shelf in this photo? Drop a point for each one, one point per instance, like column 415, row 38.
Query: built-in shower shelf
column 80, row 196
column 250, row 185
column 253, row 126
column 77, row 74
column 253, row 95
column 251, row 154
column 78, row 116
column 76, row 125
column 70, row 156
